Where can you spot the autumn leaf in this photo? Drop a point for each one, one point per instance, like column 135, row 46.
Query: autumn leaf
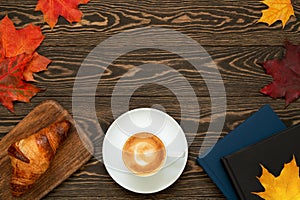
column 38, row 63
column 286, row 75
column 52, row 9
column 286, row 186
column 12, row 85
column 18, row 61
column 15, row 42
column 278, row 10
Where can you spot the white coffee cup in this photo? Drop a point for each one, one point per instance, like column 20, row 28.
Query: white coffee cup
column 161, row 125
column 154, row 122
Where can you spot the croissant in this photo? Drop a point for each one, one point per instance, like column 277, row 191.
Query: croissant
column 31, row 157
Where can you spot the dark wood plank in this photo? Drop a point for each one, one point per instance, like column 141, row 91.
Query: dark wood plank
column 232, row 62
column 94, row 180
column 238, row 109
column 209, row 22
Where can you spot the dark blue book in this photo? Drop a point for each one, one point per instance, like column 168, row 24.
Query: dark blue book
column 257, row 127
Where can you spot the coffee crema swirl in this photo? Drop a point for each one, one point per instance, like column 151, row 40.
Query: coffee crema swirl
column 143, row 153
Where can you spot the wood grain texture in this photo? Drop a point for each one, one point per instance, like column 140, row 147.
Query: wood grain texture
column 232, row 62
column 213, row 22
column 227, row 30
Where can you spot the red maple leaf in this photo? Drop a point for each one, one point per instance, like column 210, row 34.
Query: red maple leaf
column 12, row 86
column 18, row 61
column 52, row 9
column 286, row 75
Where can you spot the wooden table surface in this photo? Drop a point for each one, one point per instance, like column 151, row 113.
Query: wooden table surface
column 228, row 31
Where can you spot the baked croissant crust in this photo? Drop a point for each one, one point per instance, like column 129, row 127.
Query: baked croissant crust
column 31, row 157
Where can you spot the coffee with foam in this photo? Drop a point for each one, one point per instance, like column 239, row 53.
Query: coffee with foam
column 144, row 154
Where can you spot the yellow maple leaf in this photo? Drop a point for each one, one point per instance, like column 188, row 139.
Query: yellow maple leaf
column 286, row 186
column 278, row 10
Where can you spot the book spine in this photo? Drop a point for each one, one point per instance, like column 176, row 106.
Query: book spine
column 219, row 183
column 233, row 179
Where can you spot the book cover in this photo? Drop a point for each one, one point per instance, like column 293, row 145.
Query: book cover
column 257, row 127
column 244, row 166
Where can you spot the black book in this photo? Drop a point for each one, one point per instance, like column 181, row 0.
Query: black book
column 243, row 167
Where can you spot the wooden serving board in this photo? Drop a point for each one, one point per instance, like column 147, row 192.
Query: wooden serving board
column 70, row 156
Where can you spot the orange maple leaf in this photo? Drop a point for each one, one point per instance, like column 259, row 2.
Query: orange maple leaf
column 52, row 9
column 38, row 63
column 286, row 186
column 15, row 42
column 278, row 10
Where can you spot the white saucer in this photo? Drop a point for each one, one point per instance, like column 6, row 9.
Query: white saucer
column 145, row 120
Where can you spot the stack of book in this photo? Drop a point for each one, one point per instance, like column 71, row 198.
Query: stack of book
column 234, row 162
